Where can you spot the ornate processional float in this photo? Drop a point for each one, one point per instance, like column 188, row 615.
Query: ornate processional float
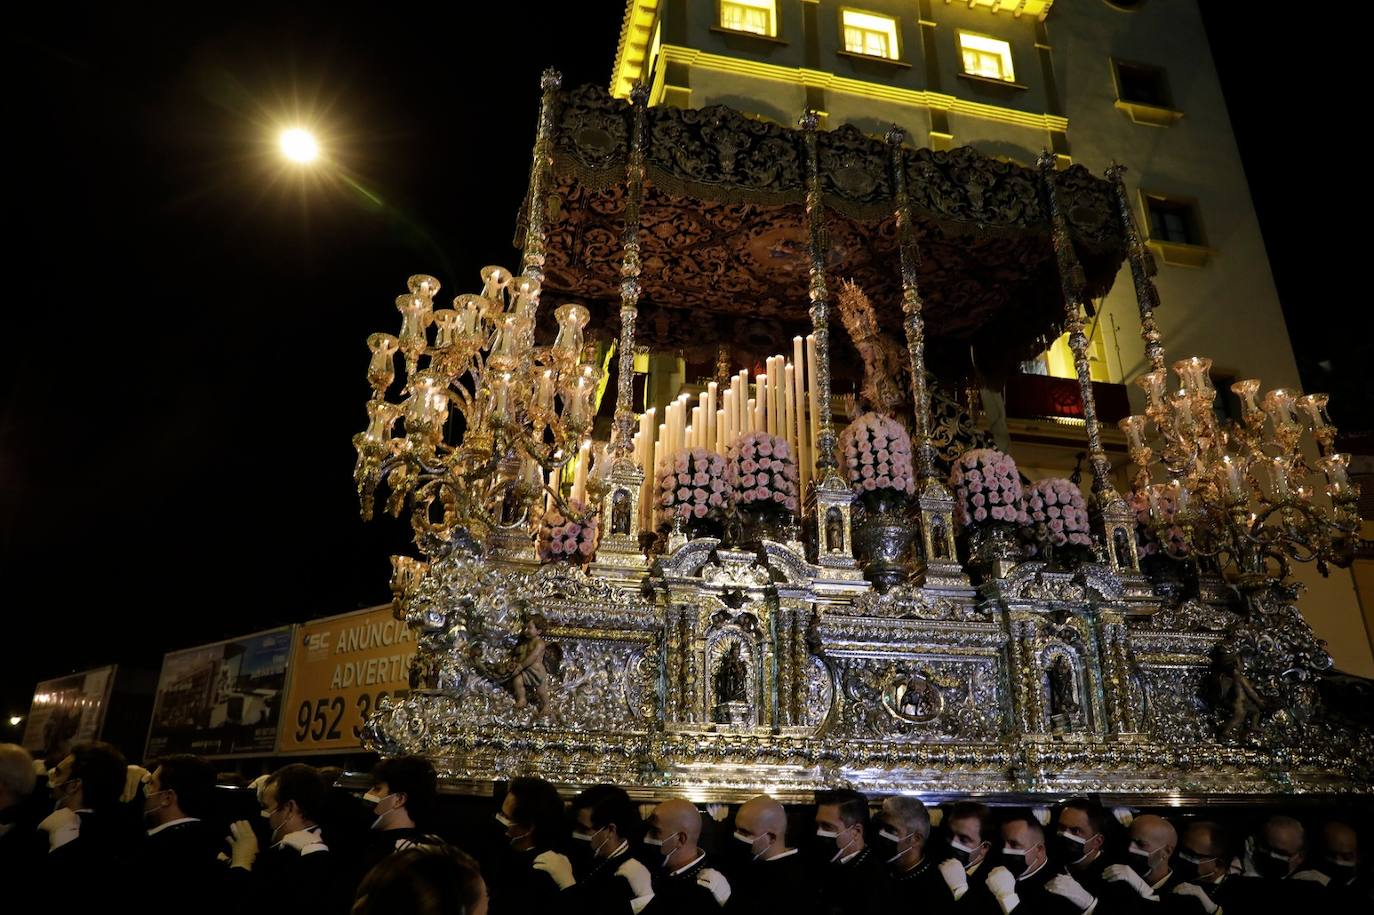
column 725, row 594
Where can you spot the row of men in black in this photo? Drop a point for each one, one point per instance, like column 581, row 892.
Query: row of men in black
column 598, row 856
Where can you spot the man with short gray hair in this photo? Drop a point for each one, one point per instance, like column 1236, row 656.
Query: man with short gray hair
column 913, row 875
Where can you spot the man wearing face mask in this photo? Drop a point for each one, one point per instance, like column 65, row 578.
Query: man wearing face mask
column 914, row 879
column 87, row 840
column 613, row 880
column 1339, row 860
column 180, row 847
column 296, row 872
column 531, row 874
column 1023, row 881
column 1272, row 876
column 767, row 875
column 685, row 884
column 971, row 831
column 1076, row 846
column 1200, row 868
column 402, row 798
column 1138, row 884
column 853, row 875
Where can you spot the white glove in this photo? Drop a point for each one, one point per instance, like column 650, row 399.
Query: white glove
column 305, row 842
column 1314, row 876
column 1120, row 872
column 1070, row 889
column 715, row 881
column 1198, row 893
column 243, row 845
column 1002, row 884
column 556, row 866
column 62, row 826
column 956, row 878
column 637, row 876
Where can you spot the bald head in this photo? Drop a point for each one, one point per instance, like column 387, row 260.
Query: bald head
column 763, row 822
column 1204, row 840
column 1154, row 838
column 676, row 815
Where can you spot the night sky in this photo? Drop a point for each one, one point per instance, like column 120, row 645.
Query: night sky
column 184, row 354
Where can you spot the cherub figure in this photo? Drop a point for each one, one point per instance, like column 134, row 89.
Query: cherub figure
column 530, row 674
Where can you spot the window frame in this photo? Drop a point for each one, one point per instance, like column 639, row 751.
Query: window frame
column 896, row 34
column 1008, row 59
column 773, row 19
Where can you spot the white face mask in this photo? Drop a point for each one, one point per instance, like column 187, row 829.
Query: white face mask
column 896, row 841
column 379, row 809
column 832, row 834
column 658, row 843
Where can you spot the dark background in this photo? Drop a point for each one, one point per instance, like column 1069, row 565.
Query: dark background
column 183, row 356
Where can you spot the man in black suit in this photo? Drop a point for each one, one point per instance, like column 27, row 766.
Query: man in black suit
column 854, row 877
column 177, row 859
column 914, row 879
column 768, row 875
column 86, row 835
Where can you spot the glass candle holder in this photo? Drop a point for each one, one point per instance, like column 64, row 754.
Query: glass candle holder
column 381, row 368
column 422, row 284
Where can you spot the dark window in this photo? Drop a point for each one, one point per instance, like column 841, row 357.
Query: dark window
column 1142, row 84
column 1173, row 221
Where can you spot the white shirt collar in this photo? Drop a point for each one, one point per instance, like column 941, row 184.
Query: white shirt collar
column 170, row 823
column 1163, row 880
column 688, row 866
column 313, row 830
column 787, row 854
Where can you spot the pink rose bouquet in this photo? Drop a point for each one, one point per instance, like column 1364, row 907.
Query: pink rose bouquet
column 762, row 474
column 567, row 538
column 1149, row 544
column 691, row 485
column 1056, row 507
column 987, row 488
column 877, row 458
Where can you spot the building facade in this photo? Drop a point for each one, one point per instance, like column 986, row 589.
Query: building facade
column 1095, row 82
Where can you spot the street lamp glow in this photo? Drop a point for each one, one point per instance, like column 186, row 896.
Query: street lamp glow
column 299, row 146
column 15, row 719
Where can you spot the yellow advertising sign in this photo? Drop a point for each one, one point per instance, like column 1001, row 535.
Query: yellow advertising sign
column 340, row 667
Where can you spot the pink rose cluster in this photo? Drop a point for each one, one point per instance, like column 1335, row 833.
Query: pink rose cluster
column 567, row 538
column 987, row 487
column 877, row 455
column 1146, row 538
column 761, row 472
column 1058, row 504
column 691, row 484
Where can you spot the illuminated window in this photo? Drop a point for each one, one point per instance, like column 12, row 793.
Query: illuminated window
column 757, row 16
column 986, row 57
column 869, row 34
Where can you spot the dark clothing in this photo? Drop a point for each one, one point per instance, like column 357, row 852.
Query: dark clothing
column 853, row 887
column 89, row 865
column 1240, row 895
column 978, row 899
column 285, row 882
column 600, row 890
column 516, row 888
column 1036, row 900
column 1090, row 875
column 920, row 889
column 1120, row 896
column 178, row 862
column 22, row 846
column 382, row 842
column 680, row 894
column 783, row 885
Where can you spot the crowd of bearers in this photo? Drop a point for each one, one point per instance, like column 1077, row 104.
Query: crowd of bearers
column 165, row 839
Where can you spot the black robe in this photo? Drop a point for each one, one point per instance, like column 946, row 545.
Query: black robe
column 784, row 884
column 853, row 887
column 680, row 894
column 600, row 890
column 172, row 869
column 1036, row 900
column 921, row 889
column 379, row 843
column 285, row 882
column 514, row 887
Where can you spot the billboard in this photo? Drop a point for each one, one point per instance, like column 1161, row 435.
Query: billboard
column 222, row 699
column 66, row 710
column 340, row 667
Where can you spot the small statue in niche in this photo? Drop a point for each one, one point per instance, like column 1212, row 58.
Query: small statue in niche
column 1063, row 701
column 920, row 699
column 938, row 547
column 510, row 508
column 834, row 531
column 531, row 673
column 1237, row 694
column 731, row 677
column 1123, row 548
column 620, row 512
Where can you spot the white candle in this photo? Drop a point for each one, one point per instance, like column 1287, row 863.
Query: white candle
column 799, row 405
column 814, row 402
column 584, row 457
column 719, row 444
column 746, row 420
column 729, row 430
column 789, row 412
column 698, row 426
column 711, row 425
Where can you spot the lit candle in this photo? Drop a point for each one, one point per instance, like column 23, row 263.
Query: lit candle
column 1279, row 473
column 1235, row 480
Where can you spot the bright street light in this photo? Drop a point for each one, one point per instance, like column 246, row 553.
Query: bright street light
column 299, row 146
